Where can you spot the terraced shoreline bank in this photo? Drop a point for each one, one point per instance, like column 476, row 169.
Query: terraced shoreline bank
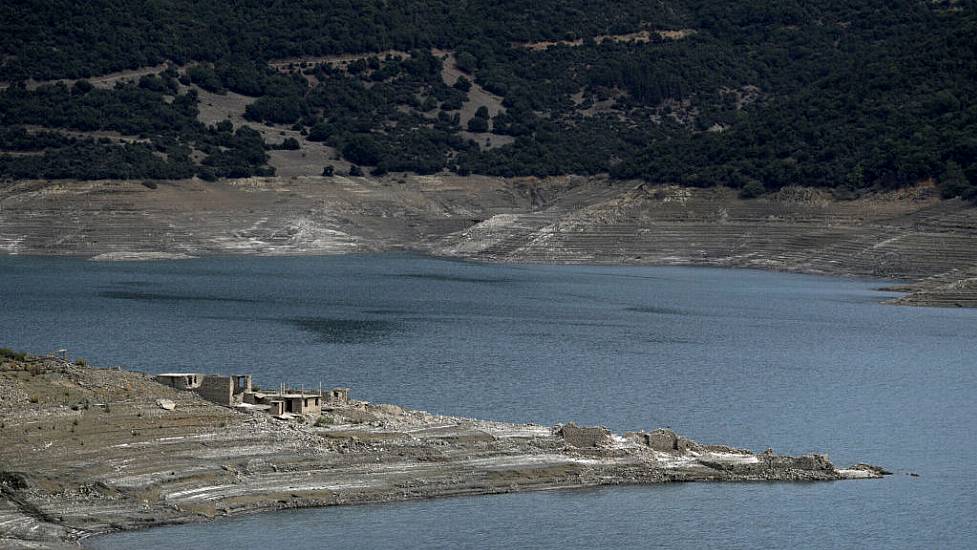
column 87, row 451
column 909, row 235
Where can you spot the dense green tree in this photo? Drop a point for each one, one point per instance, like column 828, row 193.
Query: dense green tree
column 206, row 78
column 953, row 183
column 289, row 144
column 362, row 149
column 849, row 95
column 478, row 125
column 752, row 189
column 466, row 62
column 278, row 110
column 463, row 84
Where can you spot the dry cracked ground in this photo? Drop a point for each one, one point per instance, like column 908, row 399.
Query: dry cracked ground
column 910, row 235
column 85, row 451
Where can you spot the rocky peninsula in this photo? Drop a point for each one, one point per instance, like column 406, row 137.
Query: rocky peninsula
column 87, row 451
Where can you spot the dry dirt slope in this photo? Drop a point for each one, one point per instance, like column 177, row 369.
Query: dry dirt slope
column 910, row 235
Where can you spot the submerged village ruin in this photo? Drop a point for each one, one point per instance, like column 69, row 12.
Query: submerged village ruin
column 237, row 391
column 86, row 451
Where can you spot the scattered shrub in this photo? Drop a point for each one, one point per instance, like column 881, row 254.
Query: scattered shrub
column 752, row 189
column 463, row 84
column 8, row 353
column 206, row 78
column 290, row 144
column 478, row 125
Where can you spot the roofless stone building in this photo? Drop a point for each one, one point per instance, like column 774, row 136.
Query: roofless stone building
column 236, row 391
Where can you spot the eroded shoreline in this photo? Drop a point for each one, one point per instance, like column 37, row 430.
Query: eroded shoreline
column 89, row 451
column 909, row 235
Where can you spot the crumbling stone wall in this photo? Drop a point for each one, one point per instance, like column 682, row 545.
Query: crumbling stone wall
column 277, row 408
column 663, row 440
column 806, row 462
column 660, row 440
column 338, row 395
column 218, row 389
column 187, row 381
column 242, row 383
column 584, row 437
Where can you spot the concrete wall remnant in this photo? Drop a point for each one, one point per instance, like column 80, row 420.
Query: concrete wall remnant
column 662, row 439
column 237, row 391
column 584, row 437
column 180, row 380
column 242, row 383
column 277, row 407
column 302, row 404
column 338, row 395
column 219, row 389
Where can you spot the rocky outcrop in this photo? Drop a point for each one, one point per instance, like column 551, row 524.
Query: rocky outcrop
column 583, row 437
column 661, row 440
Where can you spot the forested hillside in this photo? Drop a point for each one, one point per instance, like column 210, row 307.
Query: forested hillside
column 756, row 95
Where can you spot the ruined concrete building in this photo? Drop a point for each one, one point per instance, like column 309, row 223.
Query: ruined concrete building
column 662, row 439
column 583, row 437
column 338, row 395
column 237, row 391
column 279, row 404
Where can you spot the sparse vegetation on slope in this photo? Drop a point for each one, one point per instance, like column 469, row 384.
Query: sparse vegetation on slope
column 753, row 95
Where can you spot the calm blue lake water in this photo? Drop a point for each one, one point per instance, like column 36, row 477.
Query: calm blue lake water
column 748, row 358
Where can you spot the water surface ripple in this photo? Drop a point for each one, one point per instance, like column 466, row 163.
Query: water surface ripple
column 748, row 358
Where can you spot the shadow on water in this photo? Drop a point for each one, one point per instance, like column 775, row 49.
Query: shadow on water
column 390, row 311
column 158, row 297
column 345, row 331
column 450, row 278
column 135, row 284
column 657, row 310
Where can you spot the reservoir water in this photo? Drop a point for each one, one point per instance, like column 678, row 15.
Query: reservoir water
column 752, row 359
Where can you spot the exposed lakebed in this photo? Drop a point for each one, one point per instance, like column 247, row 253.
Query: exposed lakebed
column 801, row 363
